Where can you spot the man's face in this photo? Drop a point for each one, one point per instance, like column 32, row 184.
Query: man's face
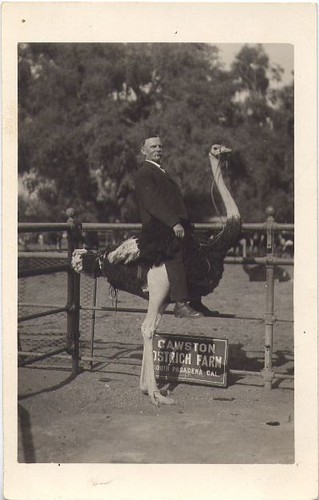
column 152, row 149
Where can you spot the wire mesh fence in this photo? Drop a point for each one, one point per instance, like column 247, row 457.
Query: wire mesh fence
column 87, row 319
column 36, row 296
column 42, row 322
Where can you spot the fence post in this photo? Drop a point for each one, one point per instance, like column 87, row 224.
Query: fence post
column 267, row 372
column 73, row 314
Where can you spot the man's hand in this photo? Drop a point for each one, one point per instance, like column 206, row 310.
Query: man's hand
column 179, row 231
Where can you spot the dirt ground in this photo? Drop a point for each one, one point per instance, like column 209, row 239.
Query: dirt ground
column 102, row 417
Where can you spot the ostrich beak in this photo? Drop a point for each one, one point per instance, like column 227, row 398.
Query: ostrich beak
column 224, row 150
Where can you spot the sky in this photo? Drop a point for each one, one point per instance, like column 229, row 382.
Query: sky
column 278, row 53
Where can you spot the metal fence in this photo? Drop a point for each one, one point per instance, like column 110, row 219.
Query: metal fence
column 72, row 307
column 58, row 335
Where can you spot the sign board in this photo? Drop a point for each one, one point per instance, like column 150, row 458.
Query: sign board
column 182, row 358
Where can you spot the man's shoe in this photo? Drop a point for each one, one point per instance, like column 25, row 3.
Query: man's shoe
column 182, row 310
column 198, row 306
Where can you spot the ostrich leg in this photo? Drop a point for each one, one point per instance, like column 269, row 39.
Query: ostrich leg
column 158, row 286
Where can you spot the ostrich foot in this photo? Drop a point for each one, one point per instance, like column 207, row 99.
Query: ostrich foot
column 157, row 397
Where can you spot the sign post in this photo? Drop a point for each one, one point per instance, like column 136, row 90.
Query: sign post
column 198, row 360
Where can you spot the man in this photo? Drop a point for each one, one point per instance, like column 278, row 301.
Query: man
column 160, row 202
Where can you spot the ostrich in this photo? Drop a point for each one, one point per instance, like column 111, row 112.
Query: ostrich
column 123, row 267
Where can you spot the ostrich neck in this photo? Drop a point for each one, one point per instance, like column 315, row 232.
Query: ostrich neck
column 230, row 205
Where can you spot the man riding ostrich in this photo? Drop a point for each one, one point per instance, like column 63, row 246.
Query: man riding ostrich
column 165, row 263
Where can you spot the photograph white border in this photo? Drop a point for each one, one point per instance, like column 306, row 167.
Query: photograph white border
column 293, row 23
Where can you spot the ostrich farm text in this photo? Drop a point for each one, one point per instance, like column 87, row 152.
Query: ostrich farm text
column 195, row 360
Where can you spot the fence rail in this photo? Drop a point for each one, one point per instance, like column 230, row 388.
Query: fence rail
column 33, row 227
column 29, row 227
column 254, row 226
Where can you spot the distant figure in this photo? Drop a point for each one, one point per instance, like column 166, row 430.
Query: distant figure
column 244, row 246
column 259, row 245
column 288, row 250
column 286, row 245
column 41, row 241
column 59, row 241
column 64, row 239
column 22, row 244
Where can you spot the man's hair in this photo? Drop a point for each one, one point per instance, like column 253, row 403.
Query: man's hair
column 149, row 136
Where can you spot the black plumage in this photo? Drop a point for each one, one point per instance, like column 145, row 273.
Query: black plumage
column 203, row 260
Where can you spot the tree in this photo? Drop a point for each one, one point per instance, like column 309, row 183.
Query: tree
column 263, row 125
column 84, row 108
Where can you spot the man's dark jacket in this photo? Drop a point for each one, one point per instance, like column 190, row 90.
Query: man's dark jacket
column 158, row 196
column 161, row 207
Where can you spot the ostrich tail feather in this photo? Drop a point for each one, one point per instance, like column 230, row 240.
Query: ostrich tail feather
column 127, row 252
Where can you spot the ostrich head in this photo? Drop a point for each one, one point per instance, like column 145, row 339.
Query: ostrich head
column 218, row 157
column 219, row 150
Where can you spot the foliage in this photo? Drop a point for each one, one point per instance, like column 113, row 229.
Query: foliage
column 84, row 109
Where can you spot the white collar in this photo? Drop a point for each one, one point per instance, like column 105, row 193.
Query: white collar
column 157, row 164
